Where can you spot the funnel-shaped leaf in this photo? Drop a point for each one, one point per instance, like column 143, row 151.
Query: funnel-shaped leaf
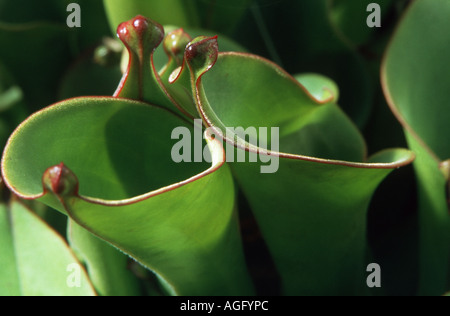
column 107, row 267
column 123, row 186
column 322, row 88
column 174, row 77
column 311, row 209
column 141, row 80
column 35, row 260
column 416, row 80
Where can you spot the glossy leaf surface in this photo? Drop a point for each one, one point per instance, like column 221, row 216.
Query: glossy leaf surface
column 311, row 209
column 107, row 267
column 415, row 83
column 35, row 260
column 184, row 228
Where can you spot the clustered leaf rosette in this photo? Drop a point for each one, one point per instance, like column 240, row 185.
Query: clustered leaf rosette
column 118, row 180
column 312, row 209
column 415, row 79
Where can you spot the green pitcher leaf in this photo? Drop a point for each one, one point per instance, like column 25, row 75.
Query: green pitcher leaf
column 415, row 83
column 175, row 76
column 312, row 210
column 35, row 260
column 141, row 37
column 321, row 87
column 107, row 267
column 434, row 222
column 9, row 276
column 160, row 57
column 226, row 44
column 141, row 81
column 174, row 45
column 413, row 43
column 124, row 186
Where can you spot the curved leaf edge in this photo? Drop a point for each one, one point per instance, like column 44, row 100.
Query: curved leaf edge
column 55, row 181
column 196, row 79
column 389, row 97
